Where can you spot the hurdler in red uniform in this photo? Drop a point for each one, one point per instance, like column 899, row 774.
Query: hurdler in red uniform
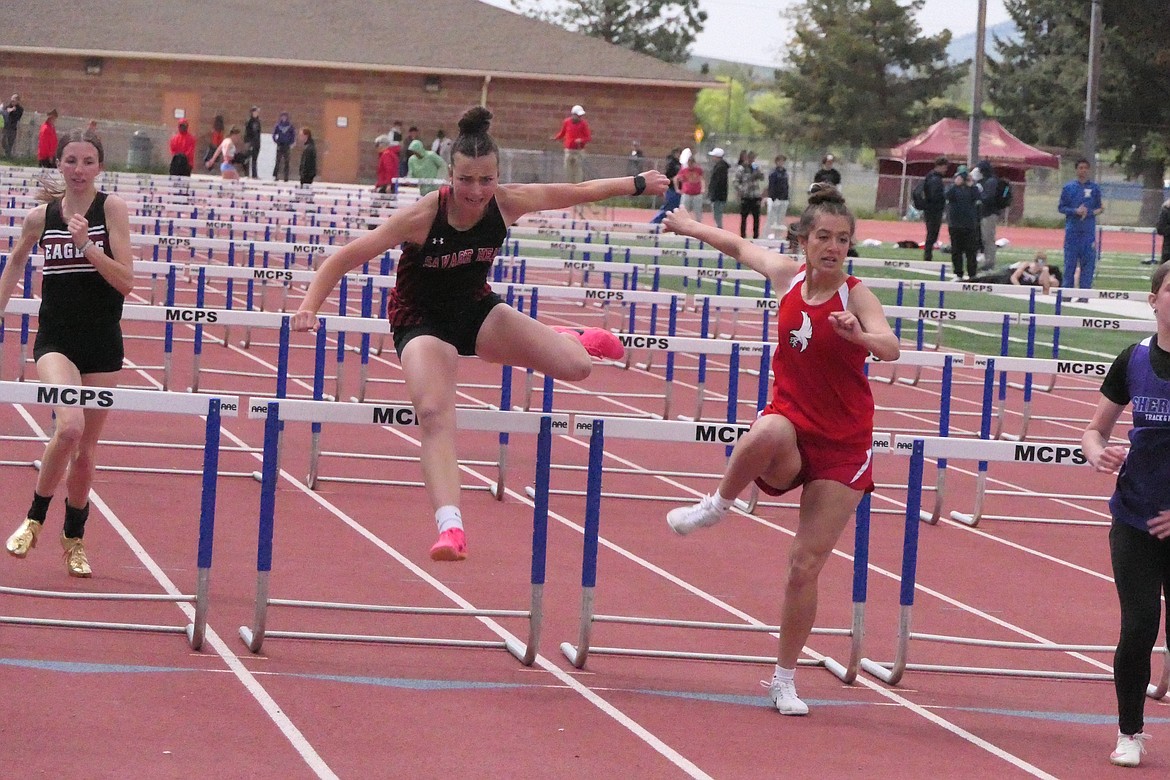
column 816, row 433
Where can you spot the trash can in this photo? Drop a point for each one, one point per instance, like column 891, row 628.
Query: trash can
column 141, row 150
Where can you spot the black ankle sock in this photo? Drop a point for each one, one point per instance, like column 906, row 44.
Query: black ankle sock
column 75, row 520
column 39, row 508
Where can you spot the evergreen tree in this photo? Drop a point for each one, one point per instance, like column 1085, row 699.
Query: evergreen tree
column 858, row 72
column 664, row 29
column 1039, row 83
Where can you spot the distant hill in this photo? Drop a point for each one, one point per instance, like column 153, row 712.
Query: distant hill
column 963, row 47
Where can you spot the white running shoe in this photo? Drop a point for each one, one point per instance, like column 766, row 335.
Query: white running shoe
column 784, row 697
column 685, row 519
column 1129, row 749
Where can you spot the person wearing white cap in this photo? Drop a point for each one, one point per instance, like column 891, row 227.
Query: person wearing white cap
column 717, row 185
column 574, row 133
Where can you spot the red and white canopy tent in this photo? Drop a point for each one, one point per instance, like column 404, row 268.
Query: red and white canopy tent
column 899, row 168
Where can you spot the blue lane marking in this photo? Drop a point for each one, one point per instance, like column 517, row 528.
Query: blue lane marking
column 70, row 667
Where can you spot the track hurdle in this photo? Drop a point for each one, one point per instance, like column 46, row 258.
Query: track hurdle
column 596, row 429
column 1031, row 366
column 212, row 409
column 920, row 448
column 275, row 412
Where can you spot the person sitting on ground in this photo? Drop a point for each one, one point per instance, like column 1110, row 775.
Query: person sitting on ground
column 1035, row 272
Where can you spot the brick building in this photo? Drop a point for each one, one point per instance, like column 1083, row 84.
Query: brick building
column 345, row 68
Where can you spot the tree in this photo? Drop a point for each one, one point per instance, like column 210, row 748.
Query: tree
column 1038, row 83
column 727, row 110
column 858, row 69
column 664, row 29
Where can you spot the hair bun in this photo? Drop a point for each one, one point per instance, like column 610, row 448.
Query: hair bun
column 475, row 121
column 824, row 192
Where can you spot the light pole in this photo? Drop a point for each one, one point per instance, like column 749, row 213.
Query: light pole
column 1091, row 90
column 977, row 85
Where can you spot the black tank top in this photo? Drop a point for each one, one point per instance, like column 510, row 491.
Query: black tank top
column 449, row 269
column 72, row 290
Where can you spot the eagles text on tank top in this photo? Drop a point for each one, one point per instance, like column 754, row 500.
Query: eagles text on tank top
column 72, row 290
column 449, row 269
column 819, row 380
column 1143, row 484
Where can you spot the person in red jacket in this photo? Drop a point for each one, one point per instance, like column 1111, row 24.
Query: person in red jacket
column 574, row 133
column 387, row 164
column 47, row 142
column 182, row 151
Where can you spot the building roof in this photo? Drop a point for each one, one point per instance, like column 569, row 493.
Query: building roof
column 951, row 138
column 465, row 37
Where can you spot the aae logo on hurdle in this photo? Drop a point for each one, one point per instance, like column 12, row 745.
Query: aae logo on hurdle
column 73, row 396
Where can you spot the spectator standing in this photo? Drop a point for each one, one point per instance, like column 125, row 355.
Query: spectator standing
column 226, row 154
column 690, row 184
column 749, row 186
column 47, row 141
column 1139, row 537
column 777, row 196
column 12, row 112
column 935, row 193
column 717, row 185
column 404, row 153
column 396, row 133
column 252, row 132
column 636, row 161
column 308, row 168
column 1163, row 229
column 442, row 146
column 182, row 151
column 1080, row 202
column 215, row 138
column 574, row 134
column 285, row 135
column 670, row 198
column 387, row 164
column 426, row 166
column 827, row 172
column 963, row 224
column 987, row 184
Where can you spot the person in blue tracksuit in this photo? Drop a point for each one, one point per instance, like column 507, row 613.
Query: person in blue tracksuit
column 1080, row 202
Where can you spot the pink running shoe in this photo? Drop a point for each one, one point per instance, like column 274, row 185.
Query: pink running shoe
column 598, row 342
column 452, row 546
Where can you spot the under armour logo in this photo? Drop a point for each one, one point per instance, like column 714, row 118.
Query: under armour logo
column 437, row 240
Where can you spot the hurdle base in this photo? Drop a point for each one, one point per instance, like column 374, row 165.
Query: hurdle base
column 883, row 672
column 966, row 519
column 252, row 641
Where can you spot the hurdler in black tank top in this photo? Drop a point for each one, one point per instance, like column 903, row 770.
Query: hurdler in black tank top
column 72, row 290
column 449, row 269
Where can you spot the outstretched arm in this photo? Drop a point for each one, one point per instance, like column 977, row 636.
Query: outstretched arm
column 409, row 224
column 778, row 268
column 516, row 200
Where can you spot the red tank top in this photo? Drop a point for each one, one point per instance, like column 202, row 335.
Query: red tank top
column 818, row 378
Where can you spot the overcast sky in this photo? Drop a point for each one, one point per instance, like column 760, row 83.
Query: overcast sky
column 753, row 30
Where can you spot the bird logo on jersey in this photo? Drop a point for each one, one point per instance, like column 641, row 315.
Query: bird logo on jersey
column 798, row 339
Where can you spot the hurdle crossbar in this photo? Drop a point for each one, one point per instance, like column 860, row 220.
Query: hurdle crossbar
column 116, row 399
column 277, row 411
column 596, row 429
column 919, row 449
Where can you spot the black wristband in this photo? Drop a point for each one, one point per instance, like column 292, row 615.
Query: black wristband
column 639, row 184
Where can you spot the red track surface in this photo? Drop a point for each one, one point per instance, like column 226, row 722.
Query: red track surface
column 116, row 704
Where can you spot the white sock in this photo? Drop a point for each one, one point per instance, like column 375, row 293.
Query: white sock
column 448, row 517
column 723, row 504
column 783, row 674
